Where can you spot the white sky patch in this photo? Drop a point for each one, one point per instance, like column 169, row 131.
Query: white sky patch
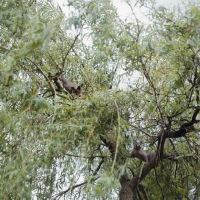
column 125, row 12
column 170, row 3
column 122, row 7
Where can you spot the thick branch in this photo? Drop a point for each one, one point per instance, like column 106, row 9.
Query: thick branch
column 184, row 128
column 146, row 169
column 129, row 186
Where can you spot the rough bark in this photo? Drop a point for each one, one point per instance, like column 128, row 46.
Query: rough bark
column 126, row 192
column 129, row 187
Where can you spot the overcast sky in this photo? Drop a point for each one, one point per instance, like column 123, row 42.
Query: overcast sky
column 124, row 10
column 170, row 2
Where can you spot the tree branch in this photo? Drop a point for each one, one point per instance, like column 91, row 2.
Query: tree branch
column 184, row 128
column 80, row 184
column 89, row 157
column 70, row 48
column 47, row 79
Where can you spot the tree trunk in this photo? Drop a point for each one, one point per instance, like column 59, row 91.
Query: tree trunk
column 129, row 187
column 127, row 193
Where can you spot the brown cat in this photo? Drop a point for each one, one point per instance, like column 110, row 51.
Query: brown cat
column 71, row 87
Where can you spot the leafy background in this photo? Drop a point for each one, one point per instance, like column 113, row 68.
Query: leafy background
column 57, row 146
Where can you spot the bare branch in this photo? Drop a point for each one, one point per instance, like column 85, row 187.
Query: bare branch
column 175, row 157
column 46, row 77
column 83, row 183
column 70, row 48
column 4, row 49
column 89, row 157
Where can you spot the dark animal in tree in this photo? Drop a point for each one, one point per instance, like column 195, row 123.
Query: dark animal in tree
column 140, row 153
column 71, row 87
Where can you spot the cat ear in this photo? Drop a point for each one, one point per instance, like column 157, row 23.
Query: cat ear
column 80, row 86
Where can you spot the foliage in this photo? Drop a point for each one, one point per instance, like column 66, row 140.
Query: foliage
column 58, row 146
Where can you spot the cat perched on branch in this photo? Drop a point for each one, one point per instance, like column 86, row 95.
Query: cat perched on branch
column 64, row 85
column 71, row 87
column 140, row 153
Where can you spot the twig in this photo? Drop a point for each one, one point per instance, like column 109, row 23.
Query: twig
column 46, row 77
column 70, row 48
column 83, row 183
column 118, row 134
column 89, row 157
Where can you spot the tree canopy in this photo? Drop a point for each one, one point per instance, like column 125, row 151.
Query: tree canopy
column 141, row 82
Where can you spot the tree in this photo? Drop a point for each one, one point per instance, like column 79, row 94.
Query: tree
column 56, row 145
